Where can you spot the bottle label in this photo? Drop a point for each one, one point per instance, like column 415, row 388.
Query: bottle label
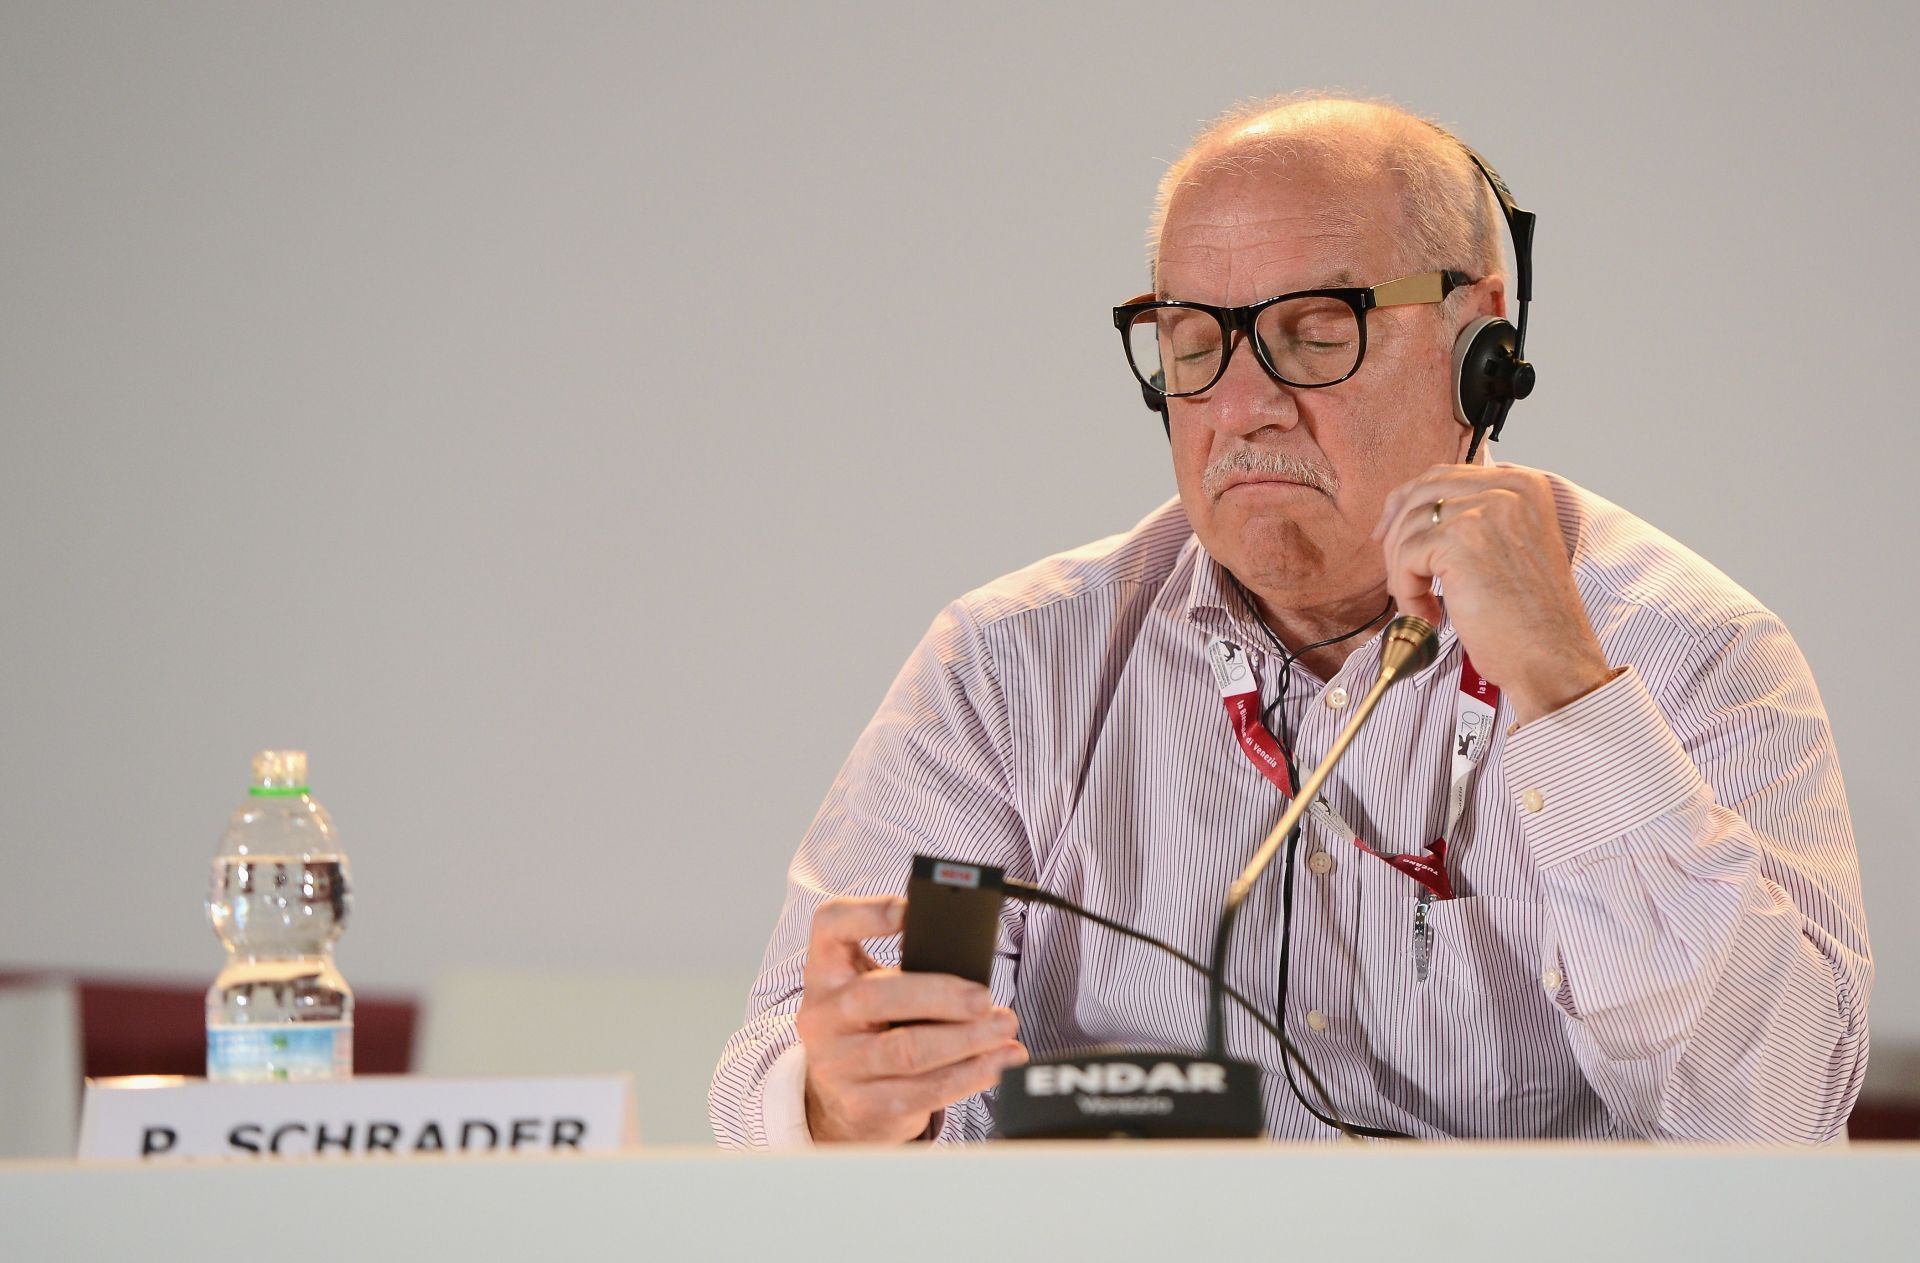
column 280, row 1052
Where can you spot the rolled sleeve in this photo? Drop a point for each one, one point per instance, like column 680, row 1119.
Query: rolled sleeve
column 783, row 1101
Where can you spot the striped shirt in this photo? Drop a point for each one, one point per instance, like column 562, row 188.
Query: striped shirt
column 1657, row 928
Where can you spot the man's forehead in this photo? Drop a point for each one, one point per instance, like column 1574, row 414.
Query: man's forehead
column 1258, row 225
column 1332, row 254
column 1303, row 241
column 1225, row 189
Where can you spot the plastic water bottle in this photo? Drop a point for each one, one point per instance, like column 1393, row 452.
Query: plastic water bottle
column 279, row 1010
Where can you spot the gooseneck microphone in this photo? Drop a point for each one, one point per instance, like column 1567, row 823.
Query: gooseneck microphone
column 1170, row 1094
column 1409, row 645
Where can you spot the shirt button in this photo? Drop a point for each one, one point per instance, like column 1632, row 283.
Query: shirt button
column 1532, row 800
column 1316, row 1019
column 1551, row 980
column 1321, row 863
column 1337, row 698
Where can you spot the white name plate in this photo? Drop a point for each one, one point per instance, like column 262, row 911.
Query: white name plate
column 170, row 1117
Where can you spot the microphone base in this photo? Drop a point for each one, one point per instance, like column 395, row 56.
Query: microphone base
column 1145, row 1096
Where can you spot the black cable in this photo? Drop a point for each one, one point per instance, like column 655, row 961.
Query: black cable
column 1288, row 1054
column 1027, row 892
column 1479, row 432
column 1287, row 659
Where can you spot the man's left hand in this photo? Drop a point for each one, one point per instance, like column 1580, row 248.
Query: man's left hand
column 1503, row 565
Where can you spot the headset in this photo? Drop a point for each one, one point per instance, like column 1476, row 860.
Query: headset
column 1490, row 370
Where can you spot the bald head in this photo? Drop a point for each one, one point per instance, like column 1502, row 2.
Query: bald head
column 1448, row 216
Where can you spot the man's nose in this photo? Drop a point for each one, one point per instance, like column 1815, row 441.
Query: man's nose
column 1247, row 398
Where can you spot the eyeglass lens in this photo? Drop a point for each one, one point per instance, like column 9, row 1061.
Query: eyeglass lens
column 1307, row 341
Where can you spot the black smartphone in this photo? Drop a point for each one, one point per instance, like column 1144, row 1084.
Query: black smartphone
column 953, row 918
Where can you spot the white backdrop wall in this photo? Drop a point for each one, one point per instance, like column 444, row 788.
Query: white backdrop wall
column 562, row 419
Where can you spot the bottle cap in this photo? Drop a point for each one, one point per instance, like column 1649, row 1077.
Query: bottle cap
column 279, row 772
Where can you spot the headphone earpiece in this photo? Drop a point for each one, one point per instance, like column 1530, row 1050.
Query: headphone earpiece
column 1488, row 374
column 1476, row 355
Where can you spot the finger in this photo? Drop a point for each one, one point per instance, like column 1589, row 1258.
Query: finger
column 1421, row 551
column 929, row 1092
column 1416, row 598
column 1418, row 496
column 839, row 925
column 1420, row 489
column 1418, row 516
column 1444, row 482
column 1410, row 569
column 907, row 1051
column 890, row 995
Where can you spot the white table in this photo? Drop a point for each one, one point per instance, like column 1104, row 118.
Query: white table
column 1622, row 1203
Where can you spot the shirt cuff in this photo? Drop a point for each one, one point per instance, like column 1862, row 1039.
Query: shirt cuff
column 1595, row 770
column 783, row 1104
column 783, row 1101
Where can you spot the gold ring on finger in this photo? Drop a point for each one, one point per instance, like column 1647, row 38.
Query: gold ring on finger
column 1436, row 509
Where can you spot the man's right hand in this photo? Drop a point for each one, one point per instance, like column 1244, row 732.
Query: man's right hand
column 867, row 1079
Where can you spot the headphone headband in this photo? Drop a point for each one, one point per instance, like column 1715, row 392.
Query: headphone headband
column 1520, row 228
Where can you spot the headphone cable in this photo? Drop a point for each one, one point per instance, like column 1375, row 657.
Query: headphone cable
column 1288, row 1054
column 1027, row 892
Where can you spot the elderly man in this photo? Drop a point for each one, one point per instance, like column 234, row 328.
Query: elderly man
column 1641, row 915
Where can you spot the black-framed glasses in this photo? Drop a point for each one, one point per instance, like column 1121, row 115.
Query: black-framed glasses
column 1309, row 338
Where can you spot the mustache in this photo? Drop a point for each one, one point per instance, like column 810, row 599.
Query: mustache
column 1253, row 460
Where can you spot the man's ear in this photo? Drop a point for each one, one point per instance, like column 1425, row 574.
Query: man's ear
column 1486, row 297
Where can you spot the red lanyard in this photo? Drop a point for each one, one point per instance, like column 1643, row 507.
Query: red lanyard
column 1473, row 731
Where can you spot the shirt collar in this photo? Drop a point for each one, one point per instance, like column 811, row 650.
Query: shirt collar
column 1215, row 607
